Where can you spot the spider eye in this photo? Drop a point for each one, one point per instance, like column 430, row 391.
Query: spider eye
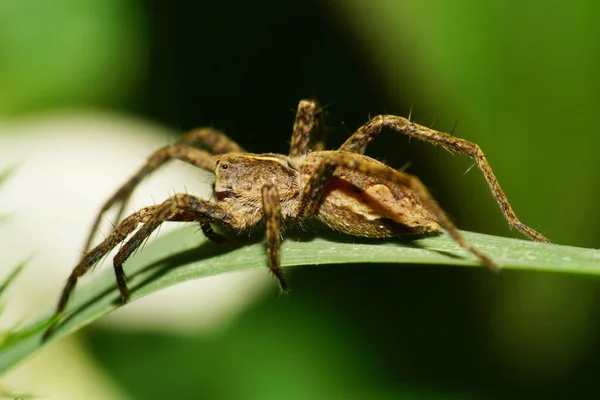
column 224, row 166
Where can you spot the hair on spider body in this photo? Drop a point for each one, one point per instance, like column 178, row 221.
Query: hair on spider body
column 348, row 191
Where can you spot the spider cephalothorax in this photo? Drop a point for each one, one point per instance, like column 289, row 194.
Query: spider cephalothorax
column 345, row 189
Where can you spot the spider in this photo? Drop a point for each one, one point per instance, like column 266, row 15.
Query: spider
column 348, row 191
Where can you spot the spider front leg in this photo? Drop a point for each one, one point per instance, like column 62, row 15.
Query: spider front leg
column 311, row 197
column 358, row 142
column 184, row 152
column 272, row 210
column 120, row 233
column 307, row 127
column 179, row 208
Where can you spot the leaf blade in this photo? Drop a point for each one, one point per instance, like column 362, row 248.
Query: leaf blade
column 181, row 255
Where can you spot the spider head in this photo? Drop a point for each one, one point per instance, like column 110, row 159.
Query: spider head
column 242, row 175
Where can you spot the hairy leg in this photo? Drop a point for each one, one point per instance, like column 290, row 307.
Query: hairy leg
column 120, row 233
column 211, row 139
column 179, row 208
column 306, row 129
column 186, row 153
column 312, row 194
column 358, row 142
column 272, row 209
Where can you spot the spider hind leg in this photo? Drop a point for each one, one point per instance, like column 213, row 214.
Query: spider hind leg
column 357, row 143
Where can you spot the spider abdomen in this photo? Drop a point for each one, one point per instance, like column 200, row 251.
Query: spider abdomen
column 358, row 204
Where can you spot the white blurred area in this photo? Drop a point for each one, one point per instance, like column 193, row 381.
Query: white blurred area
column 66, row 166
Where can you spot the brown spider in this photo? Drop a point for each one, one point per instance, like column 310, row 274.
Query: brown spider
column 347, row 190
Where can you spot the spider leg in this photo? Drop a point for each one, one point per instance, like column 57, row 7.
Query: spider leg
column 213, row 140
column 185, row 150
column 311, row 196
column 180, row 208
column 120, row 233
column 307, row 123
column 272, row 210
column 186, row 153
column 358, row 142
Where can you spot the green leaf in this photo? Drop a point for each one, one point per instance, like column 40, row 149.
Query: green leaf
column 184, row 255
column 11, row 277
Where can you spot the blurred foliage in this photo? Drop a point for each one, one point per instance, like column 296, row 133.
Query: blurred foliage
column 4, row 176
column 68, row 53
column 520, row 77
column 317, row 359
column 5, row 336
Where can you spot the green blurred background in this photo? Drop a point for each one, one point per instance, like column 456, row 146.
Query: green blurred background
column 522, row 79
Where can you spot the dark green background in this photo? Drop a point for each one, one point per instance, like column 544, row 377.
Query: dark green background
column 520, row 76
